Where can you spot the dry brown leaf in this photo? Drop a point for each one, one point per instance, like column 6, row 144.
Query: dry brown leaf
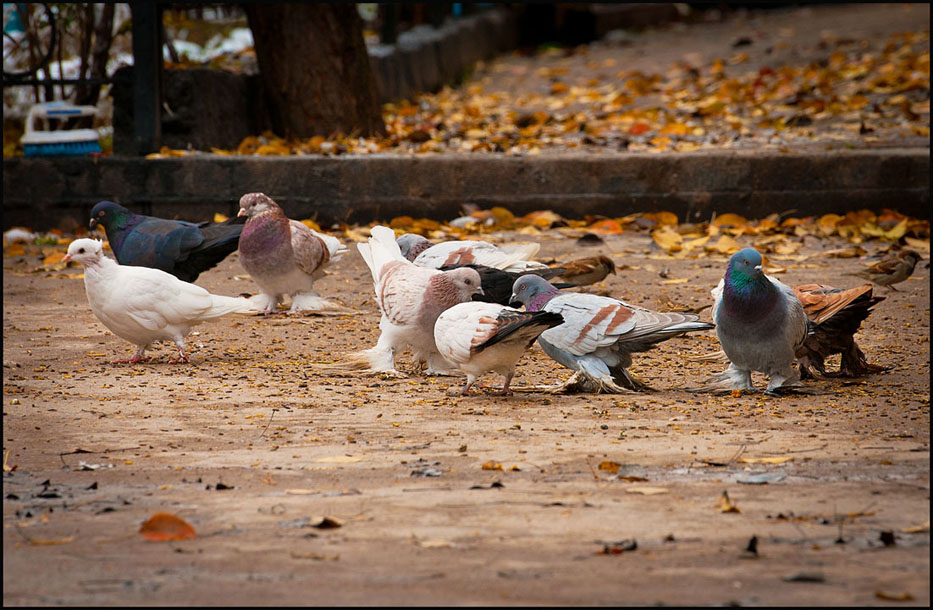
column 767, row 460
column 894, row 597
column 725, row 505
column 165, row 526
column 726, row 245
column 490, row 465
column 339, row 459
column 646, row 491
column 668, row 239
column 917, row 529
column 729, row 219
column 610, row 466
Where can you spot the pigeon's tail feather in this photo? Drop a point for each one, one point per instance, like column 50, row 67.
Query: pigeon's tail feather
column 521, row 251
column 717, row 356
column 726, row 381
column 335, row 248
column 221, row 306
column 383, row 248
column 373, row 360
column 366, row 253
column 220, row 240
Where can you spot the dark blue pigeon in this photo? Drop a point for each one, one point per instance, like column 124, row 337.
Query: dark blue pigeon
column 181, row 248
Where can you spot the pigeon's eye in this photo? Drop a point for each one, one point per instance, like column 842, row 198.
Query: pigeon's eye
column 81, row 251
column 468, row 282
column 101, row 213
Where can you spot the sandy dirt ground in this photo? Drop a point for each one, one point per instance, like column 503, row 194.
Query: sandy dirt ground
column 253, row 443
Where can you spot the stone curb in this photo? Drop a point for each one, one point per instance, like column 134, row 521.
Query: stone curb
column 43, row 193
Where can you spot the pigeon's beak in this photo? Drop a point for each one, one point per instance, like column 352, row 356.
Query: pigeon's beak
column 242, row 212
column 757, row 267
column 92, row 223
column 479, row 290
column 66, row 258
column 513, row 302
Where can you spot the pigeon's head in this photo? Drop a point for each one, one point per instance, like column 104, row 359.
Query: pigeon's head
column 254, row 204
column 466, row 281
column 412, row 244
column 745, row 265
column 108, row 214
column 85, row 251
column 532, row 291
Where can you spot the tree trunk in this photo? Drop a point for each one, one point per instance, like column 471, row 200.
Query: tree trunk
column 314, row 69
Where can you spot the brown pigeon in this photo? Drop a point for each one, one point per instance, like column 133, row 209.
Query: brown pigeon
column 835, row 315
column 283, row 256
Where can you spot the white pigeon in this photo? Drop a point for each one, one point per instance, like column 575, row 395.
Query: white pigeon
column 410, row 298
column 513, row 257
column 144, row 305
column 479, row 337
column 283, row 256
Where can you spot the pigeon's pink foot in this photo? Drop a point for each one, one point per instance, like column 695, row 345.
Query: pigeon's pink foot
column 132, row 360
column 182, row 357
column 502, row 392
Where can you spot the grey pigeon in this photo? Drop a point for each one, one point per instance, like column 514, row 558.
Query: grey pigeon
column 181, row 248
column 284, row 256
column 599, row 334
column 422, row 252
column 760, row 323
column 410, row 298
column 144, row 305
column 479, row 337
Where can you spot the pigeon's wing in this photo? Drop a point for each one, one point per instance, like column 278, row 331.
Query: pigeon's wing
column 478, row 253
column 459, row 330
column 159, row 243
column 401, row 289
column 797, row 318
column 309, row 249
column 837, row 310
column 716, row 293
column 590, row 322
column 154, row 299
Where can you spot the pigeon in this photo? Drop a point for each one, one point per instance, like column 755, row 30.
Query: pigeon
column 422, row 252
column 184, row 249
column 589, row 270
column 144, row 305
column 284, row 256
column 479, row 337
column 760, row 323
column 599, row 334
column 891, row 270
column 410, row 298
column 835, row 315
column 497, row 284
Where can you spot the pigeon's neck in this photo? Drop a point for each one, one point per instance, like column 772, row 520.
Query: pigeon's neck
column 537, row 302
column 747, row 295
column 118, row 228
column 100, row 268
column 263, row 233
